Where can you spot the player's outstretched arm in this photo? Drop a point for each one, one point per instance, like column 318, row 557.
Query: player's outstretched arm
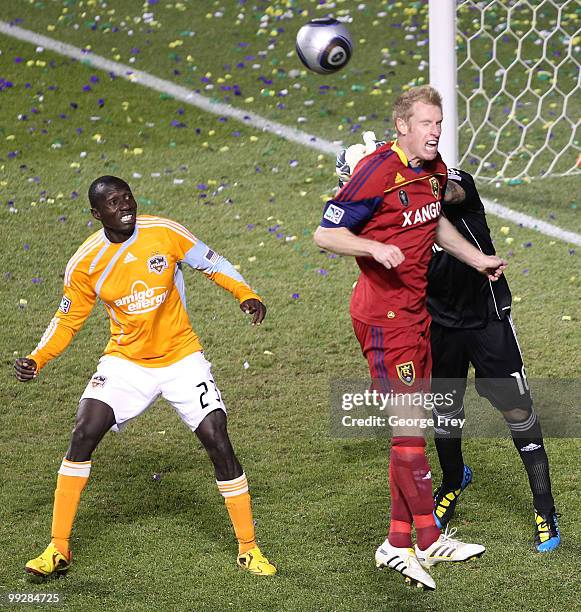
column 450, row 239
column 454, row 193
column 255, row 308
column 344, row 242
column 25, row 369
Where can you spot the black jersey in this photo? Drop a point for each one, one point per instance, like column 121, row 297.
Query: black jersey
column 458, row 295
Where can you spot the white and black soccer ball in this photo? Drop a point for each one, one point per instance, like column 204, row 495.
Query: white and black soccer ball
column 324, row 45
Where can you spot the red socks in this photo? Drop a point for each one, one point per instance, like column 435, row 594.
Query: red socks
column 411, row 494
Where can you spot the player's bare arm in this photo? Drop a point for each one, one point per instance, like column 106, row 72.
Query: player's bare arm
column 340, row 240
column 25, row 369
column 450, row 239
column 454, row 193
column 256, row 308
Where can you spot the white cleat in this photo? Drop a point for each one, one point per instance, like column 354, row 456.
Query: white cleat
column 445, row 548
column 404, row 561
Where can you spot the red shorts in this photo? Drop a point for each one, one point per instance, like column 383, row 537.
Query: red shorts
column 399, row 358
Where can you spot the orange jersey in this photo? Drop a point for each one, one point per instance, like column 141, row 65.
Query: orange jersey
column 141, row 285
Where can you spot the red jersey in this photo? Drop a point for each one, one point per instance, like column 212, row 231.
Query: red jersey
column 389, row 201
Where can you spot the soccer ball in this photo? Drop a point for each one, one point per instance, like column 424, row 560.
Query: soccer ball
column 324, row 45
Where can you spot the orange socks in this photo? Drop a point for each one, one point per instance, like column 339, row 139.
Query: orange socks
column 74, row 475
column 237, row 499
column 72, row 479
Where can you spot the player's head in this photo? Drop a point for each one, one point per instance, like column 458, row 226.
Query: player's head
column 417, row 115
column 113, row 204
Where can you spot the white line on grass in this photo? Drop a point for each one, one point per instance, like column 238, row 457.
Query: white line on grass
column 527, row 221
column 247, row 117
column 177, row 91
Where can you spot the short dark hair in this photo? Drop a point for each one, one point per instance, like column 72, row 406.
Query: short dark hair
column 100, row 184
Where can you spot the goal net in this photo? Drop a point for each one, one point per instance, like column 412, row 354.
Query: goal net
column 518, row 95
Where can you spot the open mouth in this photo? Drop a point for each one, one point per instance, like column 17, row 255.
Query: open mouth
column 432, row 145
column 128, row 218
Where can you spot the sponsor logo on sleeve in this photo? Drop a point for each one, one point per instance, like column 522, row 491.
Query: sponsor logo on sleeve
column 157, row 263
column 211, row 256
column 65, row 304
column 334, row 214
column 406, row 372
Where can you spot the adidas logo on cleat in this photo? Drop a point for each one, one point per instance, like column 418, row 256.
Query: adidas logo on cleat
column 404, row 561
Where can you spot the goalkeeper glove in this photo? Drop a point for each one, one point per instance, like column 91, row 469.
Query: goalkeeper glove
column 348, row 158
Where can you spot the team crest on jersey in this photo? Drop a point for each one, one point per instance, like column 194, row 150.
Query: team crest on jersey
column 435, row 187
column 65, row 305
column 403, row 198
column 98, row 381
column 406, row 372
column 157, row 263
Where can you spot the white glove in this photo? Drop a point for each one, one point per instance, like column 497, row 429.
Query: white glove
column 348, row 158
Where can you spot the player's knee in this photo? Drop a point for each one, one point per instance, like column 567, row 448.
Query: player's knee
column 83, row 442
column 517, row 415
column 218, row 445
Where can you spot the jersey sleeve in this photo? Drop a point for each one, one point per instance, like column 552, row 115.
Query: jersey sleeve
column 199, row 256
column 357, row 201
column 467, row 183
column 76, row 305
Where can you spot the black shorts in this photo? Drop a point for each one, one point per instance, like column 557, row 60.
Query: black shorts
column 495, row 354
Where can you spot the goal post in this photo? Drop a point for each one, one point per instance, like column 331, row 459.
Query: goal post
column 511, row 68
column 442, row 61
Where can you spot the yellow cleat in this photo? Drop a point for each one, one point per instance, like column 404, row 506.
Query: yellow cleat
column 256, row 563
column 50, row 562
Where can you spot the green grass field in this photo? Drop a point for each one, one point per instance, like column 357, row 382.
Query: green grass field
column 320, row 503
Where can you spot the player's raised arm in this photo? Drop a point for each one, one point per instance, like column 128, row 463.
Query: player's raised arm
column 460, row 189
column 454, row 193
column 341, row 240
column 218, row 269
column 353, row 206
column 450, row 239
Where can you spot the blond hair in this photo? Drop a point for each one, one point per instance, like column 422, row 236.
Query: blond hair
column 402, row 108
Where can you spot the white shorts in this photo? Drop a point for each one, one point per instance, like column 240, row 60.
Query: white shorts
column 130, row 389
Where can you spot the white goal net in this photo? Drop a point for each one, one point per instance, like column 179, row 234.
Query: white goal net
column 518, row 95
